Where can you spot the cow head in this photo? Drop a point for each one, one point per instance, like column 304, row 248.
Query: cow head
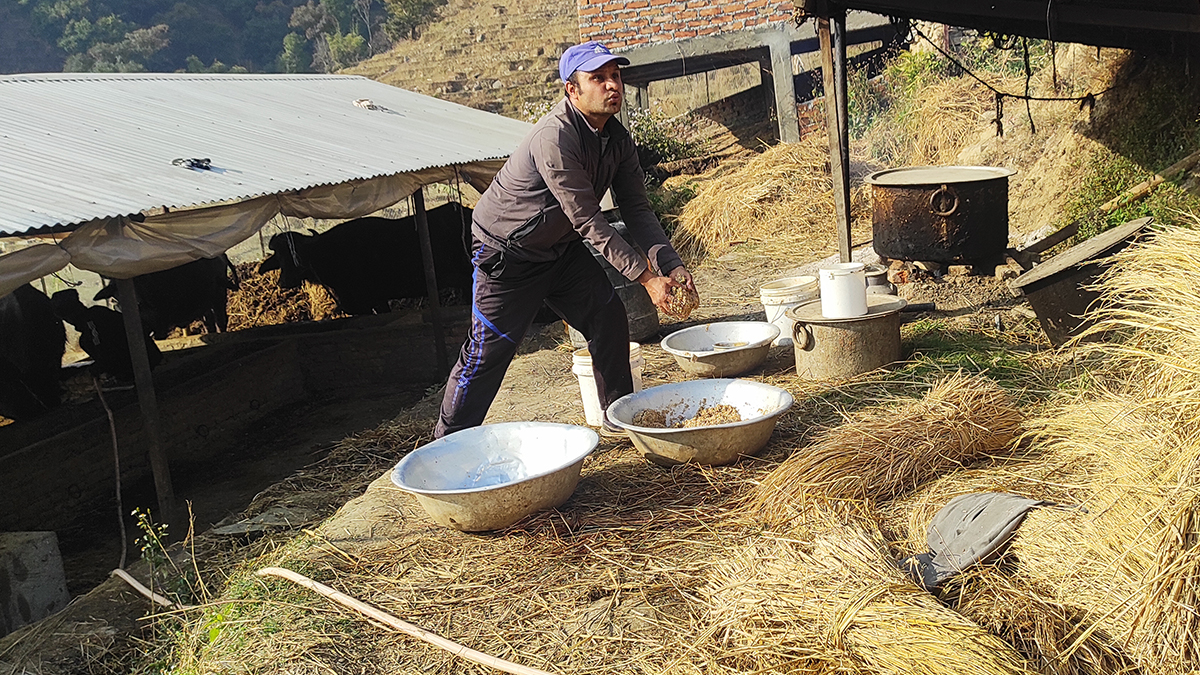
column 287, row 257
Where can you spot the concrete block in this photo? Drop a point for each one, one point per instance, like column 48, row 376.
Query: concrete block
column 32, row 583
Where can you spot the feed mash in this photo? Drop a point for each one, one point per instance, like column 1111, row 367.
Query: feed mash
column 706, row 416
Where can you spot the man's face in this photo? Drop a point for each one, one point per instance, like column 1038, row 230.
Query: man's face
column 600, row 92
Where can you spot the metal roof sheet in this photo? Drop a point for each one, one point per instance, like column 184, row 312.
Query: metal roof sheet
column 76, row 147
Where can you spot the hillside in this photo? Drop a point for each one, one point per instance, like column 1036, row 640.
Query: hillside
column 493, row 55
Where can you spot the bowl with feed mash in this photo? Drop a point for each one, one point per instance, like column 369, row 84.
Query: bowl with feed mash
column 721, row 349
column 759, row 406
column 491, row 476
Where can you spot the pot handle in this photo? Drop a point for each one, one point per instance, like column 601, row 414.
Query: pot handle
column 798, row 330
column 943, row 202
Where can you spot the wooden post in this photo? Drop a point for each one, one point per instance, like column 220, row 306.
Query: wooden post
column 783, row 84
column 833, row 73
column 135, row 334
column 430, row 281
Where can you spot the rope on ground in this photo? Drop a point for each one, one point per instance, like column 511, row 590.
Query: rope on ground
column 402, row 626
column 140, row 588
column 112, row 429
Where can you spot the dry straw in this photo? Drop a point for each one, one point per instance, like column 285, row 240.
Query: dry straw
column 785, row 193
column 259, row 301
column 886, row 451
column 1055, row 638
column 830, row 599
column 1132, row 560
column 945, row 118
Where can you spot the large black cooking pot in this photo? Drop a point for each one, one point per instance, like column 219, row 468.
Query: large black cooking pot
column 946, row 214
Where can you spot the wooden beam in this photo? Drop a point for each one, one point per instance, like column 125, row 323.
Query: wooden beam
column 143, row 381
column 1027, row 257
column 431, row 288
column 833, row 70
column 784, row 86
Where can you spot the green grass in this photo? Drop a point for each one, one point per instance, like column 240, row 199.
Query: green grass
column 1149, row 123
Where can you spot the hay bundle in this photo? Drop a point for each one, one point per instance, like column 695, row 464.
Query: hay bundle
column 834, row 601
column 1150, row 296
column 1132, row 559
column 259, row 301
column 1056, row 639
column 783, row 193
column 886, row 451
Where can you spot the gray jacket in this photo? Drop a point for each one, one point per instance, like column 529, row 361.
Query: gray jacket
column 548, row 195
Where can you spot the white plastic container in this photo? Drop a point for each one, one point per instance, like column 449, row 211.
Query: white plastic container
column 581, row 365
column 843, row 290
column 781, row 295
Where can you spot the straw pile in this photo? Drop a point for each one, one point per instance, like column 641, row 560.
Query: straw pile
column 946, row 116
column 1132, row 560
column 886, row 451
column 1056, row 639
column 259, row 301
column 785, row 193
column 832, row 600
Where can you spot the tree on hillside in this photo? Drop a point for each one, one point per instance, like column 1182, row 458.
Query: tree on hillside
column 192, row 35
column 296, row 56
column 129, row 55
column 405, row 17
column 341, row 32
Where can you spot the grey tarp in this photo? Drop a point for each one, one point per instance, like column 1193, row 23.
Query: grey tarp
column 972, row 528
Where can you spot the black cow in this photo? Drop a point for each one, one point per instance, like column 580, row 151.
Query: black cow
column 32, row 340
column 367, row 261
column 102, row 335
column 178, row 296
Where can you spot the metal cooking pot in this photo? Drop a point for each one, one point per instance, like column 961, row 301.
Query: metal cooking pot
column 946, row 214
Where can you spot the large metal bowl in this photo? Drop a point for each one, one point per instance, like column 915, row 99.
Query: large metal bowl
column 760, row 406
column 489, row 477
column 721, row 349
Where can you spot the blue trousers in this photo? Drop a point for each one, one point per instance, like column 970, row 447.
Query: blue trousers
column 507, row 295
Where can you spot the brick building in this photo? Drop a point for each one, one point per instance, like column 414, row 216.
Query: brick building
column 622, row 24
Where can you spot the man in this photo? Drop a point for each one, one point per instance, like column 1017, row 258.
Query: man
column 529, row 230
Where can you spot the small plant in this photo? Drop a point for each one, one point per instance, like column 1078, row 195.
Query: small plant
column 668, row 201
column 153, row 545
column 671, row 138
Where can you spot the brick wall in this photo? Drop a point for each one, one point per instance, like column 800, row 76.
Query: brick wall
column 628, row 23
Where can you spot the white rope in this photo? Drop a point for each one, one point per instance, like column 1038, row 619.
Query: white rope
column 402, row 626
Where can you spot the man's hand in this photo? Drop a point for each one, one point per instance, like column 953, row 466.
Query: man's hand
column 659, row 288
column 684, row 277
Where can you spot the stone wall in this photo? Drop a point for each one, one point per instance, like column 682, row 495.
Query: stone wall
column 629, row 23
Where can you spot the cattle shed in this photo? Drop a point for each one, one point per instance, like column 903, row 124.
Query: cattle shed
column 127, row 174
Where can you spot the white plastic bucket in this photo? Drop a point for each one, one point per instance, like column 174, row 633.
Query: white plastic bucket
column 781, row 295
column 581, row 365
column 843, row 290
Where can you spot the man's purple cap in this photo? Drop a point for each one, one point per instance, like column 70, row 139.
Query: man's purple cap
column 586, row 57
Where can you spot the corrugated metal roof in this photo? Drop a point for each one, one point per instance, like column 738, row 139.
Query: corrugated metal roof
column 75, row 147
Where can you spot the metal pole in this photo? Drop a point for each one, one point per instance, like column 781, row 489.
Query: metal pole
column 148, row 402
column 839, row 141
column 431, row 281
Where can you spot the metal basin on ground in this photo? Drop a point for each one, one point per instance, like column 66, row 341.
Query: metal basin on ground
column 491, row 476
column 722, row 349
column 760, row 406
